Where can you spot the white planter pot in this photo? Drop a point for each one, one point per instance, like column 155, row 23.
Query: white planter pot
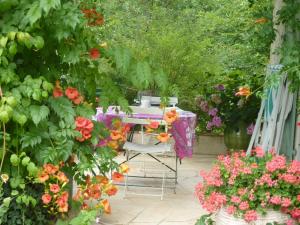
column 223, row 218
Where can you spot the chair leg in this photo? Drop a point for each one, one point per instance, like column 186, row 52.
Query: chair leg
column 126, row 176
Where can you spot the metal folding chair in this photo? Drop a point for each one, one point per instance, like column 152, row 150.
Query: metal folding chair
column 150, row 149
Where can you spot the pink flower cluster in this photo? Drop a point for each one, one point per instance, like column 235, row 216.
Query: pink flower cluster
column 214, row 202
column 250, row 215
column 244, row 184
column 277, row 163
column 266, row 179
column 213, row 178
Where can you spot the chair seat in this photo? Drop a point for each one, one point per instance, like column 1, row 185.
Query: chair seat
column 163, row 147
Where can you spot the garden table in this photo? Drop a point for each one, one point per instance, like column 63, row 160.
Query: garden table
column 183, row 129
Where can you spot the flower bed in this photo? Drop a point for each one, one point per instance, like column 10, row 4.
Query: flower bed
column 247, row 186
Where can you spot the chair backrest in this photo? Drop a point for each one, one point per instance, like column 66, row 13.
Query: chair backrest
column 173, row 101
column 143, row 122
column 148, row 110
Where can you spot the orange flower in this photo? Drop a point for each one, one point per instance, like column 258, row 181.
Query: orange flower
column 50, row 168
column 243, row 91
column 88, row 180
column 261, row 20
column 170, row 117
column 54, row 188
column 46, row 198
column 113, row 144
column 124, row 168
column 118, row 176
column 43, row 176
column 163, row 137
column 115, row 135
column 95, row 191
column 57, row 92
column 62, row 177
column 78, row 195
column 63, row 208
column 106, row 206
column 101, row 179
column 62, row 200
column 71, row 93
column 78, row 100
column 111, row 190
column 84, row 206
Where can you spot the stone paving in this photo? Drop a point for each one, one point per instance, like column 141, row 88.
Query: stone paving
column 181, row 208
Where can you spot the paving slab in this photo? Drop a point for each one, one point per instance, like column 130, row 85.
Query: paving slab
column 181, row 208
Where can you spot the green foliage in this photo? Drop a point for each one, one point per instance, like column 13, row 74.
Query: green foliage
column 205, row 220
column 195, row 44
column 84, row 218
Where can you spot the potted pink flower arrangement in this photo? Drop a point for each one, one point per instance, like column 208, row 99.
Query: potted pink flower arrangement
column 261, row 188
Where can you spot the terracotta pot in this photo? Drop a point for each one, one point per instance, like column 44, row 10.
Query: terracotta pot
column 236, row 137
column 223, row 218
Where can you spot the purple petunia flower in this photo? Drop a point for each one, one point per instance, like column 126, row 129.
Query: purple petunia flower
column 217, row 121
column 204, row 106
column 250, row 129
column 220, row 87
column 213, row 111
column 209, row 125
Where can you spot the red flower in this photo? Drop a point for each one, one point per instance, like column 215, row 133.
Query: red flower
column 46, row 198
column 94, row 53
column 71, row 93
column 85, row 127
column 54, row 188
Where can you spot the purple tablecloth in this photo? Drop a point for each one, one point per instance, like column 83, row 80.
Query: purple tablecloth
column 183, row 130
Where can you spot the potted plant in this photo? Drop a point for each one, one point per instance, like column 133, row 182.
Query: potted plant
column 229, row 108
column 259, row 188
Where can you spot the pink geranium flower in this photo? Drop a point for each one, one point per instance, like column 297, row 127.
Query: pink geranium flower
column 244, row 205
column 276, row 200
column 250, row 215
column 278, row 162
column 231, row 209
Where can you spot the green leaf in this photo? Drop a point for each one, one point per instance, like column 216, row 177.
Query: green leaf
column 38, row 113
column 34, row 13
column 32, row 169
column 31, row 139
column 63, row 108
column 46, row 5
column 85, row 111
column 14, row 192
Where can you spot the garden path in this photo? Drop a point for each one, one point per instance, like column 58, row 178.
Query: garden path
column 181, row 208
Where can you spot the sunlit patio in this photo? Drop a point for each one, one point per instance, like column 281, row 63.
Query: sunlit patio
column 181, row 208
